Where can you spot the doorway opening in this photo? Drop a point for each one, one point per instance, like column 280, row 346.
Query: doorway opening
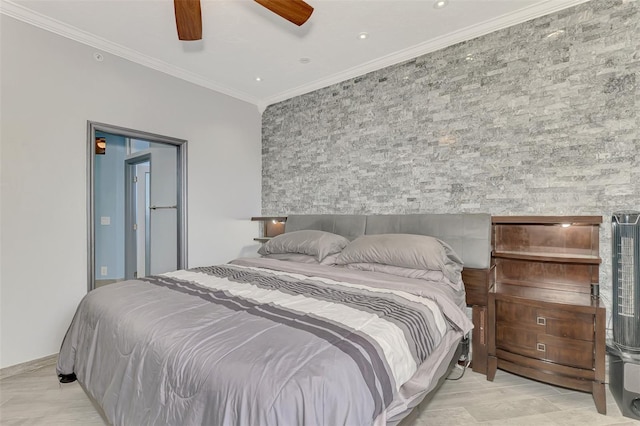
column 136, row 204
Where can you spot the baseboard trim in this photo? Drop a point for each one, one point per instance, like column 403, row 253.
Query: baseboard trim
column 28, row 366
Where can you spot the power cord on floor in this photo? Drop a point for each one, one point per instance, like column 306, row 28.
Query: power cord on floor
column 464, row 360
column 462, row 367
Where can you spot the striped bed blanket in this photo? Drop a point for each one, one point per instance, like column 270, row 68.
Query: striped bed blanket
column 262, row 342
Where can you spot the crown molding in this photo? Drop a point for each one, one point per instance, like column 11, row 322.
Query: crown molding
column 9, row 8
column 468, row 33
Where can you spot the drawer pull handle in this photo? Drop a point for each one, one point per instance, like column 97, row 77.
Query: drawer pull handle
column 541, row 321
column 541, row 347
column 482, row 328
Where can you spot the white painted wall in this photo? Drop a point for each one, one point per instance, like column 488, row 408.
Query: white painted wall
column 50, row 87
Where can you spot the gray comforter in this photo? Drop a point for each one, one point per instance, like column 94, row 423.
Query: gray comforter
column 263, row 342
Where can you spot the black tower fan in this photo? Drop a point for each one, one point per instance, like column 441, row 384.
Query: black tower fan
column 624, row 351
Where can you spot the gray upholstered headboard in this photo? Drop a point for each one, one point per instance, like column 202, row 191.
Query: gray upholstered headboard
column 468, row 234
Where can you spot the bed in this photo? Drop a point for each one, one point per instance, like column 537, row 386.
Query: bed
column 346, row 319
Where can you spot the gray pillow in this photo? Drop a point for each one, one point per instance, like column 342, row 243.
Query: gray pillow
column 417, row 274
column 292, row 257
column 405, row 251
column 303, row 258
column 318, row 244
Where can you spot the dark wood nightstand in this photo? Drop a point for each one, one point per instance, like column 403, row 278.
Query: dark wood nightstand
column 478, row 283
column 545, row 321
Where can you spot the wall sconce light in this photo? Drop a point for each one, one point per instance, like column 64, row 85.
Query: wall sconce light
column 274, row 227
column 439, row 4
column 101, row 146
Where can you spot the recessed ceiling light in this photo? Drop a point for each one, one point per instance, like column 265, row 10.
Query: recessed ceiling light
column 305, row 60
column 363, row 35
column 439, row 4
column 258, row 79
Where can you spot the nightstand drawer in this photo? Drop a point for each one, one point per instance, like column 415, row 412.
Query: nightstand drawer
column 522, row 341
column 553, row 322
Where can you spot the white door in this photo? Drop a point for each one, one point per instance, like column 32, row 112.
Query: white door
column 163, row 209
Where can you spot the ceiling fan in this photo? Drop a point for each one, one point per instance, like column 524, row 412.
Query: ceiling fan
column 189, row 16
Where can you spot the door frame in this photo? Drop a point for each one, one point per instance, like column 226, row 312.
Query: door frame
column 181, row 196
column 130, row 238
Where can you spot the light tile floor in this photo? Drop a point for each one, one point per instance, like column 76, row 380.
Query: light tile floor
column 513, row 400
column 36, row 398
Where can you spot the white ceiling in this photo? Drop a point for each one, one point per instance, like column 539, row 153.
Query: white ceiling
column 242, row 40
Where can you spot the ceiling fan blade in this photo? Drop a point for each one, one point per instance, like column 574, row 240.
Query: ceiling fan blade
column 188, row 19
column 295, row 11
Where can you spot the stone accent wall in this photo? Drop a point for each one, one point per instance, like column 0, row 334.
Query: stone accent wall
column 540, row 118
